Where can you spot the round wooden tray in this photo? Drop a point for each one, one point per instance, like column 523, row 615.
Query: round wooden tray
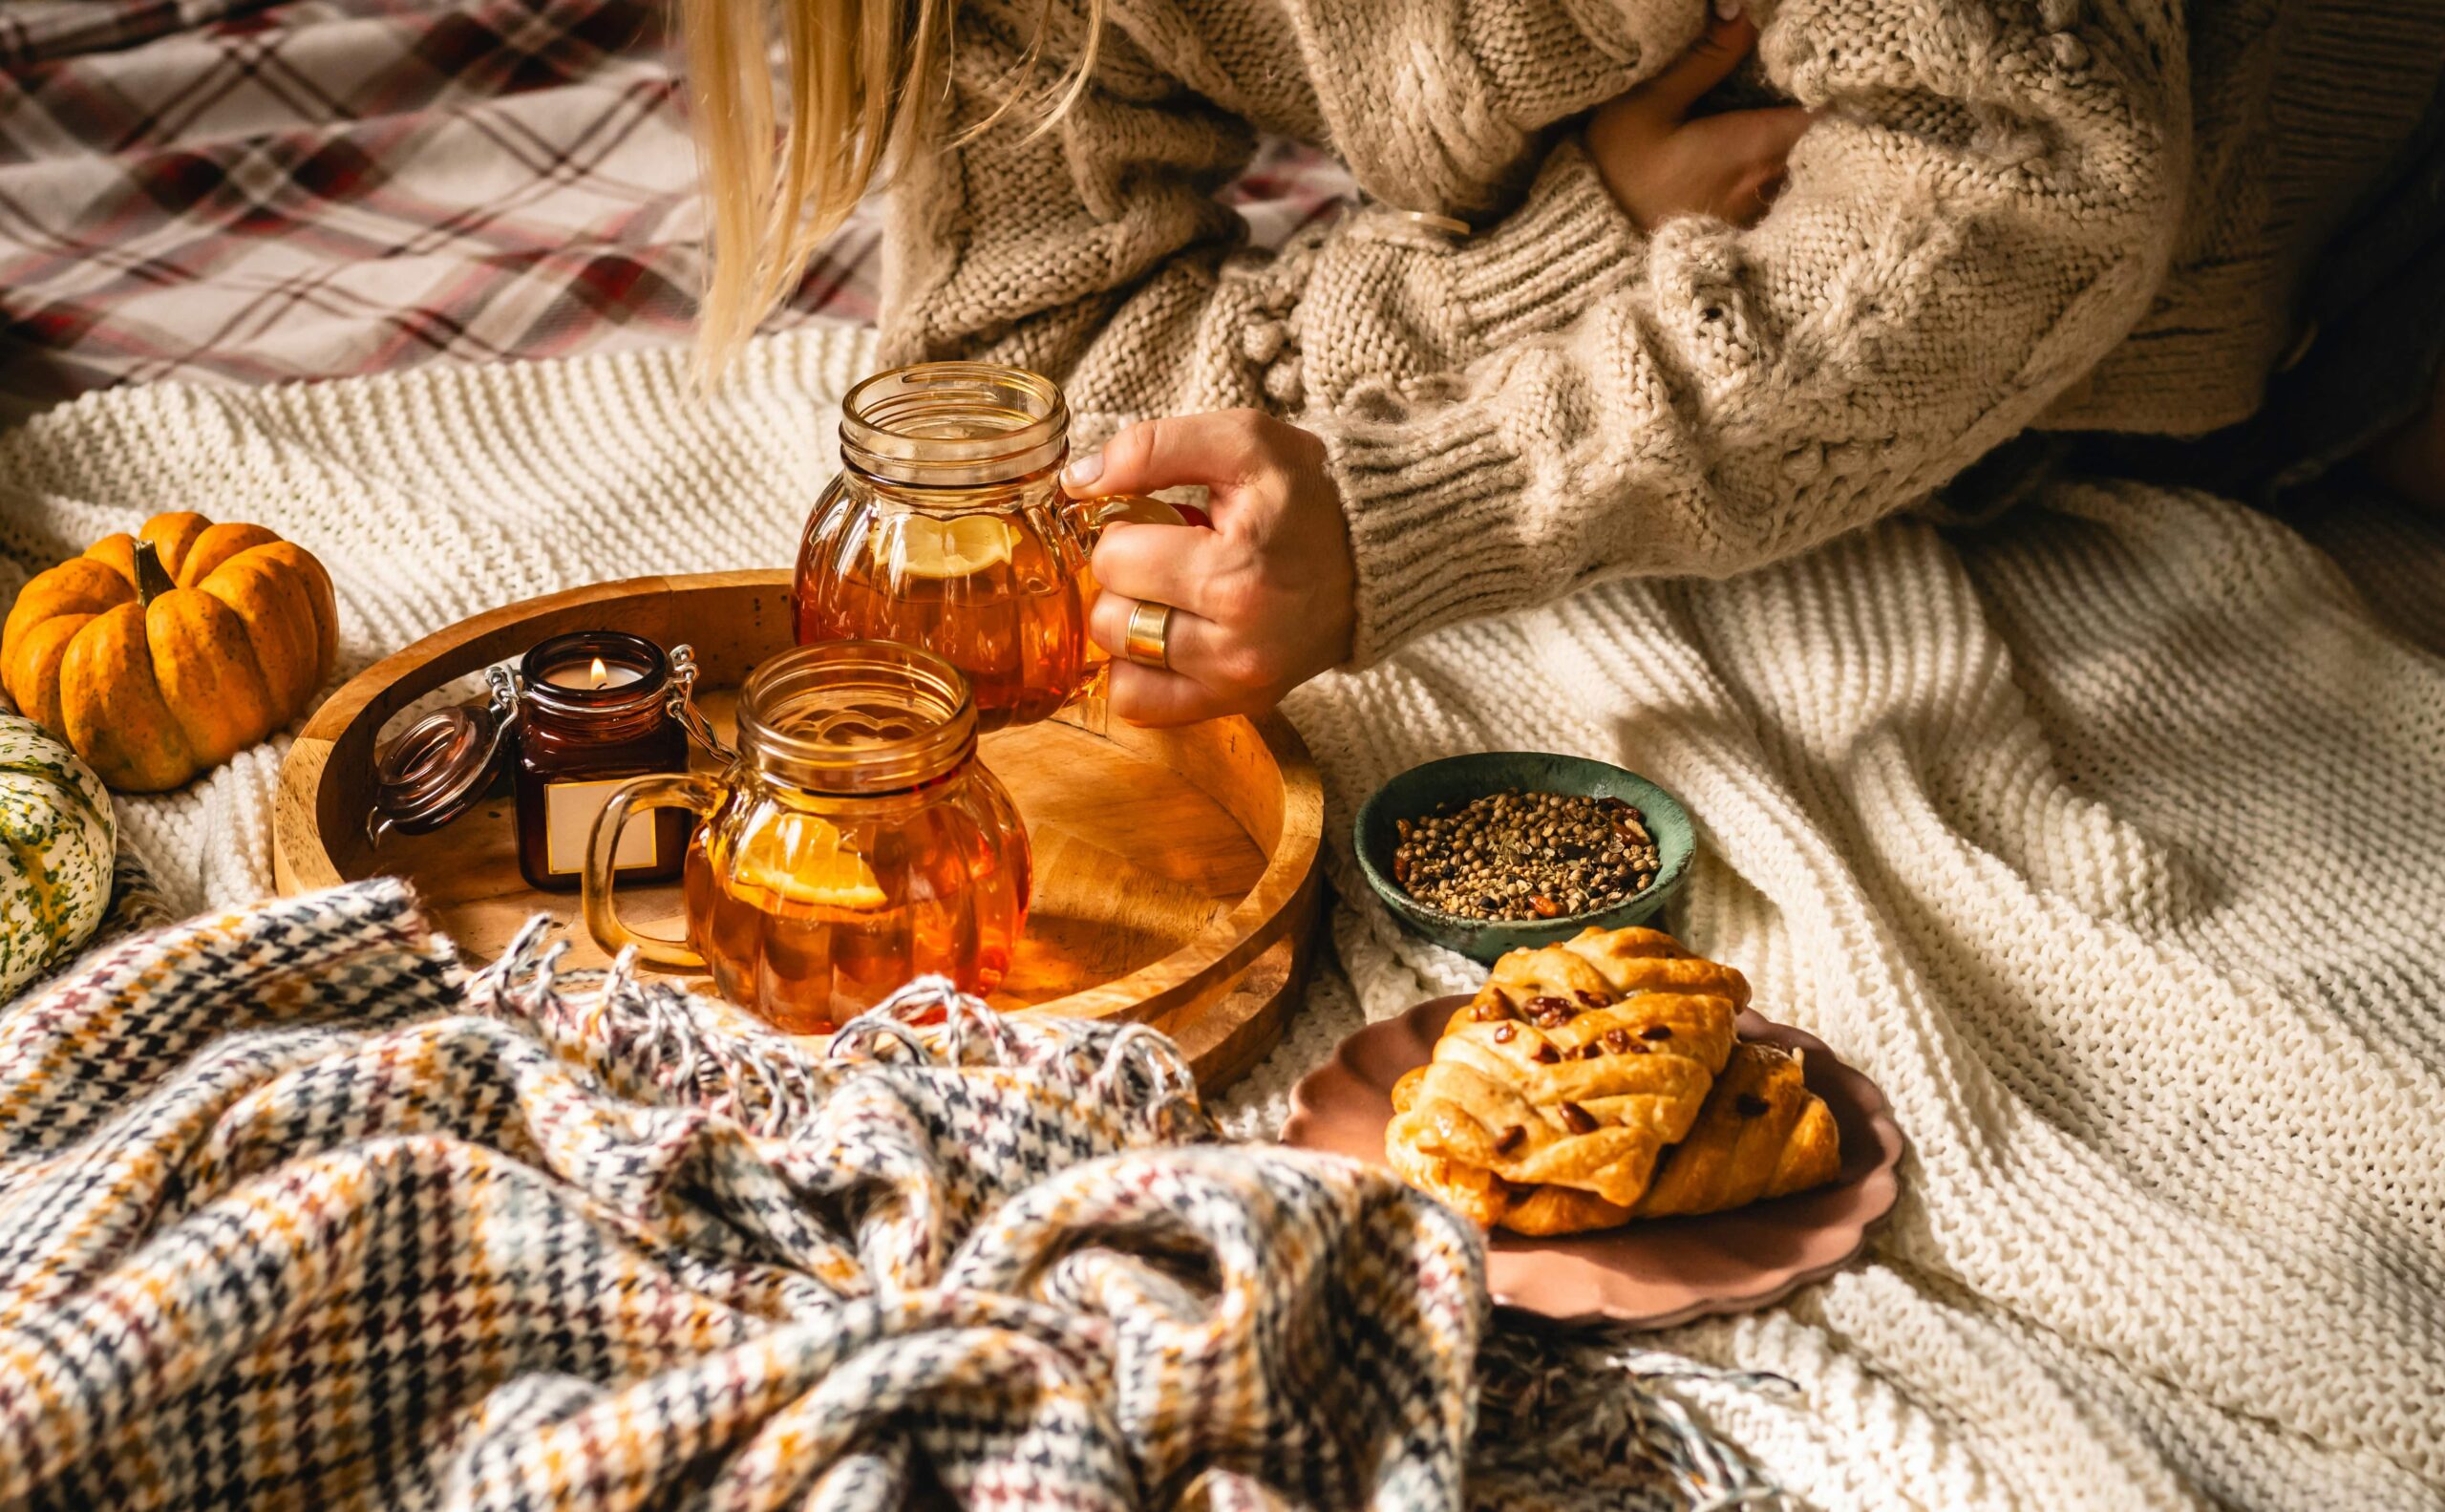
column 1176, row 870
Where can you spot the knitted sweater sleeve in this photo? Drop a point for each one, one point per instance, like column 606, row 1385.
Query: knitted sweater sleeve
column 1094, row 248
column 1981, row 214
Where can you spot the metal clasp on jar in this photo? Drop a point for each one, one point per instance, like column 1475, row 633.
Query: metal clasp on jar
column 682, row 706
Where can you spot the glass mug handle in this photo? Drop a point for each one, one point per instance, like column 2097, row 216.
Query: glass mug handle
column 689, row 790
column 1085, row 518
column 1083, row 521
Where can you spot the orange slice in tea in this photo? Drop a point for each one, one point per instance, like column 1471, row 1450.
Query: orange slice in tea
column 957, row 547
column 801, row 859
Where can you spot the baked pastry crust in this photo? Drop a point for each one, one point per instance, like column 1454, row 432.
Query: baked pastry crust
column 1557, row 1097
column 1762, row 1134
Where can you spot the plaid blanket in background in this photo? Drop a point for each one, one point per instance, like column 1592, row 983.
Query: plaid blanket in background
column 254, row 190
column 296, row 1212
column 247, row 192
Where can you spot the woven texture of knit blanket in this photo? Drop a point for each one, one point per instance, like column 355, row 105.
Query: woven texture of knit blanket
column 297, row 1211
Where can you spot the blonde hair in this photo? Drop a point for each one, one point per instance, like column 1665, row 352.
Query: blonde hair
column 783, row 168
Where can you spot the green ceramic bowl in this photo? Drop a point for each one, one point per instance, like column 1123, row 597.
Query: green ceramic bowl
column 1423, row 790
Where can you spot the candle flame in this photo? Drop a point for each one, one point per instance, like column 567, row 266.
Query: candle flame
column 602, row 673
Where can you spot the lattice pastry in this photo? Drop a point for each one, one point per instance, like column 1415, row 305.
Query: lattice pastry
column 1599, row 1080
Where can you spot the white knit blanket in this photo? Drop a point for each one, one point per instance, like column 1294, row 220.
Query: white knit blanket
column 2107, row 842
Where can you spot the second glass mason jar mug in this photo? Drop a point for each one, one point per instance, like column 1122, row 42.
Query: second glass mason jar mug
column 946, row 529
column 854, row 841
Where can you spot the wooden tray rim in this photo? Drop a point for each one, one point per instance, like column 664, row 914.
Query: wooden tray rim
column 1283, row 897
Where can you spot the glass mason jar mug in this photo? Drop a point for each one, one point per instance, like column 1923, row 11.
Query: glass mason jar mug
column 946, row 529
column 854, row 841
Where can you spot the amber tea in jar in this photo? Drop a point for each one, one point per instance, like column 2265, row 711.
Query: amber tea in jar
column 855, row 841
column 946, row 529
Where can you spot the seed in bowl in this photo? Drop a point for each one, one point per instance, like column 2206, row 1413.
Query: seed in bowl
column 1514, row 855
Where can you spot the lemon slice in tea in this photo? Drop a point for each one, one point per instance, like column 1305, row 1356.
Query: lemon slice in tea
column 801, row 859
column 957, row 547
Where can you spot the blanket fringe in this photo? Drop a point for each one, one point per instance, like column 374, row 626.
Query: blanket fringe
column 1139, row 1067
column 1716, row 1475
column 1534, row 1378
column 650, row 1039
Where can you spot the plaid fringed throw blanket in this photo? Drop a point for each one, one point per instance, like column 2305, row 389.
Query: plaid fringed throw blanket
column 296, row 1212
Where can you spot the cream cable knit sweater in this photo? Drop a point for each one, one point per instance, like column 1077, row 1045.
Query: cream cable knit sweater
column 1991, row 205
column 2106, row 842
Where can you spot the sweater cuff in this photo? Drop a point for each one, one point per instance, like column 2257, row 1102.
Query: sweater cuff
column 1432, row 494
column 1431, row 504
column 1567, row 246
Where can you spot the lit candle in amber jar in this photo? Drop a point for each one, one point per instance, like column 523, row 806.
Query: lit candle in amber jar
column 594, row 713
column 597, row 673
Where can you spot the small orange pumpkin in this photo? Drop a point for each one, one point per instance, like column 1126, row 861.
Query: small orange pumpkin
column 161, row 654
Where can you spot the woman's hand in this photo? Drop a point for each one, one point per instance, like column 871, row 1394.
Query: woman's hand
column 1661, row 162
column 1261, row 603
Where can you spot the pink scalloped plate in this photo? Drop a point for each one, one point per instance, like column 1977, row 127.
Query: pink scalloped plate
column 1652, row 1272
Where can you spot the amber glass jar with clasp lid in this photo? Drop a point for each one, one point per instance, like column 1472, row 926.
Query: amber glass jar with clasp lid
column 594, row 710
column 854, row 841
column 583, row 713
column 946, row 529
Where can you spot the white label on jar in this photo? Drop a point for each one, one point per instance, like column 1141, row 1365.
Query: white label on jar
column 570, row 810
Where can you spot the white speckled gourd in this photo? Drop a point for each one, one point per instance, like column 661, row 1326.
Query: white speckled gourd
column 56, row 839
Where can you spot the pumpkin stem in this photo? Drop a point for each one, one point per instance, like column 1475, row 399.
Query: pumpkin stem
column 152, row 579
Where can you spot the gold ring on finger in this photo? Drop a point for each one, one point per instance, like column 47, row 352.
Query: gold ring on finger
column 1147, row 641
